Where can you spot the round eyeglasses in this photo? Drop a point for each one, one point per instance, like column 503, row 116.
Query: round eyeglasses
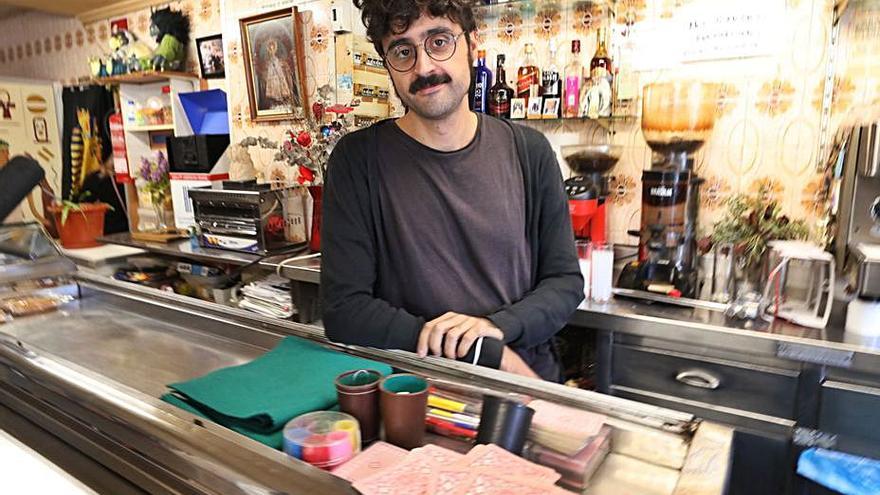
column 439, row 46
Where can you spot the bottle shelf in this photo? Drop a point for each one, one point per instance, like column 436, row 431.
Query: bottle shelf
column 599, row 120
column 525, row 4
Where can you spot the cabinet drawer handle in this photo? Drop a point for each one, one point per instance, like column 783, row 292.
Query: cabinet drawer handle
column 698, row 378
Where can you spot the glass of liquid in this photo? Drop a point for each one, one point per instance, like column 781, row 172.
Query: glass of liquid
column 601, row 268
column 584, row 249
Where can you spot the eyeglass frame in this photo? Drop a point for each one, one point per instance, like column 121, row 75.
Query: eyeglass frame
column 424, row 44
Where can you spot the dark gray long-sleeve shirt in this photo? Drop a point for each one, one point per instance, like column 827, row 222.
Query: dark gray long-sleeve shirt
column 489, row 236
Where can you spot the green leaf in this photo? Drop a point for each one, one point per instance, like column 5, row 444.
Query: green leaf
column 64, row 213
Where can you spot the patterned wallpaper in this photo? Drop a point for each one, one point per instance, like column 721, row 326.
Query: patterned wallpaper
column 767, row 132
column 768, row 127
column 43, row 46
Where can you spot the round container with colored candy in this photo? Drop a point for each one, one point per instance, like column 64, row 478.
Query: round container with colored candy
column 324, row 439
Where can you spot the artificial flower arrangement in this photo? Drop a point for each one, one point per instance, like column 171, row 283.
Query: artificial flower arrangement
column 308, row 149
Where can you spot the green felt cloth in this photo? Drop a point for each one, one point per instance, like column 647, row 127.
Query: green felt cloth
column 258, row 398
column 274, row 439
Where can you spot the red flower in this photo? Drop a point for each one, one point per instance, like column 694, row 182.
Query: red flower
column 305, row 175
column 304, row 139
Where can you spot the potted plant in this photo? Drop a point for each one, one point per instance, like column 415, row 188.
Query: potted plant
column 749, row 224
column 80, row 223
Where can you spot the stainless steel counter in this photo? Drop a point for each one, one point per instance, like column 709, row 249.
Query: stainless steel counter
column 91, row 374
column 183, row 249
column 828, row 346
column 113, row 339
column 697, row 326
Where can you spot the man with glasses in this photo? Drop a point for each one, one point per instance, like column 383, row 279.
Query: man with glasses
column 445, row 232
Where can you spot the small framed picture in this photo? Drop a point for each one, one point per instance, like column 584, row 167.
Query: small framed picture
column 551, row 108
column 535, row 108
column 210, row 50
column 518, row 108
column 41, row 130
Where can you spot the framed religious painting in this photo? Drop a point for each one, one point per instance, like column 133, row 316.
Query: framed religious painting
column 274, row 67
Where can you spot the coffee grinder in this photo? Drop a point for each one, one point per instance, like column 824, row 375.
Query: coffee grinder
column 677, row 118
column 588, row 190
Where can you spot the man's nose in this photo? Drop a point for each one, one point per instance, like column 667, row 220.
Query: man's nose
column 424, row 63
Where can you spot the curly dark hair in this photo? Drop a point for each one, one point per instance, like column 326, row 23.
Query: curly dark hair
column 383, row 17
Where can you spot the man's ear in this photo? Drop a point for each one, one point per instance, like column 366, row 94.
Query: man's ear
column 473, row 44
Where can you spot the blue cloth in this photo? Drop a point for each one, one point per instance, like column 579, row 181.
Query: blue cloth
column 845, row 473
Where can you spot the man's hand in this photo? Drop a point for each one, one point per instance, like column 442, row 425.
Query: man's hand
column 512, row 363
column 460, row 332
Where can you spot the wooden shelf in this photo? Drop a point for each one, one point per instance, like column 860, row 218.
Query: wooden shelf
column 148, row 128
column 146, row 77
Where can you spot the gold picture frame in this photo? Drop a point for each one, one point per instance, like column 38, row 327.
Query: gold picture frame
column 274, row 67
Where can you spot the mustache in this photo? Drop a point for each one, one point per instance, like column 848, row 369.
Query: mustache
column 426, row 82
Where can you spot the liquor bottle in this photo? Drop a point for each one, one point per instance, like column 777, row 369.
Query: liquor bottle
column 551, row 84
column 527, row 79
column 601, row 79
column 500, row 94
column 600, row 64
column 482, row 84
column 574, row 74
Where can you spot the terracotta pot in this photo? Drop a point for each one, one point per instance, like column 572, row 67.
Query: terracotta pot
column 83, row 226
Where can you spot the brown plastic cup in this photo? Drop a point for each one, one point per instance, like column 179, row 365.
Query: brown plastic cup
column 403, row 400
column 358, row 394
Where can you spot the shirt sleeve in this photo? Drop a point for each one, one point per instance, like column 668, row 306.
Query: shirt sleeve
column 351, row 313
column 558, row 289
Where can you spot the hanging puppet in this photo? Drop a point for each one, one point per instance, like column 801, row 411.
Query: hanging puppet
column 171, row 30
column 85, row 150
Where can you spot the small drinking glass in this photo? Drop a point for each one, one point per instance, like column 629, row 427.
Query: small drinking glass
column 584, row 251
column 601, row 268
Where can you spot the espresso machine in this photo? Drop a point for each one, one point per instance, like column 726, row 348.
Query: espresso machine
column 858, row 243
column 587, row 190
column 677, row 118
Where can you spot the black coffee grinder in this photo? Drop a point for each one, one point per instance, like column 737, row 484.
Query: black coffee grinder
column 677, row 118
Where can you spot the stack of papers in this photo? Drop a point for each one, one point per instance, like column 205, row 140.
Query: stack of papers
column 269, row 297
column 563, row 429
column 429, row 470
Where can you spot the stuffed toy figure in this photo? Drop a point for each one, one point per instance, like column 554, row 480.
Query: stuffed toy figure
column 171, row 30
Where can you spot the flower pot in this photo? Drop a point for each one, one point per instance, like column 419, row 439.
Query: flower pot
column 82, row 227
